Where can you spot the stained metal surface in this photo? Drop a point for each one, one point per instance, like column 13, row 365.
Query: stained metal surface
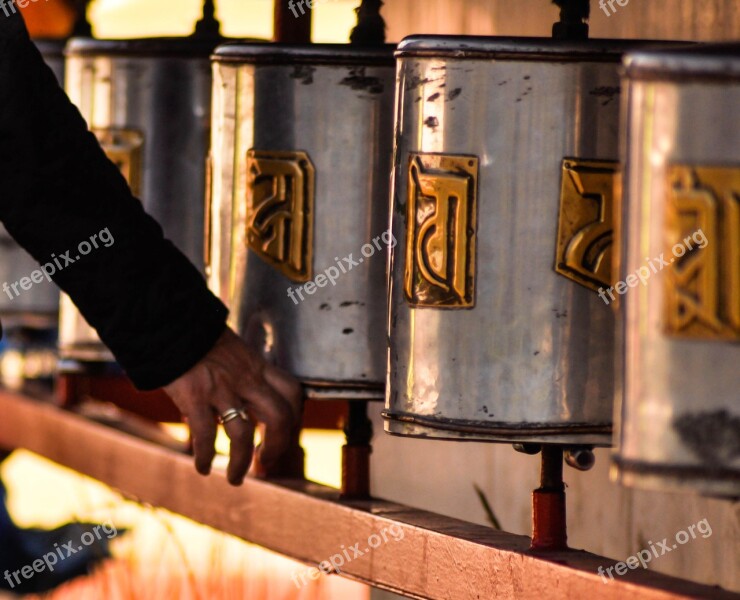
column 532, row 358
column 149, row 103
column 42, row 299
column 302, row 149
column 680, row 412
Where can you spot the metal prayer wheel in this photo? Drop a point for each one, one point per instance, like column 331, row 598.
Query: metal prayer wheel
column 299, row 206
column 149, row 103
column 679, row 419
column 502, row 205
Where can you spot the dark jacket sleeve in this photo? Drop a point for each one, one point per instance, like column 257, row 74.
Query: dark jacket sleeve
column 148, row 303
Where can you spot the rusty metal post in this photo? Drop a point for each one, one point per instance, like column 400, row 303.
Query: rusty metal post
column 356, row 453
column 292, row 465
column 370, row 28
column 82, row 26
column 548, row 504
column 369, row 31
column 208, row 25
column 292, row 23
column 573, row 24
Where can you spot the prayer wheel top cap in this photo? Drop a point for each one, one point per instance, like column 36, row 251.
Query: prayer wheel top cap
column 520, row 48
column 325, row 54
column 699, row 61
column 177, row 47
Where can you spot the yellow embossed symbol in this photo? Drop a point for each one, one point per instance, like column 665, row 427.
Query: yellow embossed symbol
column 702, row 286
column 123, row 148
column 587, row 220
column 280, row 208
column 441, row 230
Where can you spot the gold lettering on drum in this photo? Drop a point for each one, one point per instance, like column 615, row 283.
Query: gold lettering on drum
column 587, row 221
column 702, row 286
column 280, row 205
column 123, row 149
column 441, row 230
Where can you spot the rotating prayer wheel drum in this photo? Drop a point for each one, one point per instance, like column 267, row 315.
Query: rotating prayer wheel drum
column 299, row 208
column 502, row 206
column 680, row 412
column 149, row 103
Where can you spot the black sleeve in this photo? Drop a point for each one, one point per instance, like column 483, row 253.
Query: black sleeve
column 148, row 303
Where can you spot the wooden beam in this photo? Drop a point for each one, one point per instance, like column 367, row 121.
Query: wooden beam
column 425, row 556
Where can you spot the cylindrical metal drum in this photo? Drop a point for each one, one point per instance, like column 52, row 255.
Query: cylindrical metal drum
column 301, row 160
column 679, row 420
column 502, row 196
column 149, row 103
column 39, row 304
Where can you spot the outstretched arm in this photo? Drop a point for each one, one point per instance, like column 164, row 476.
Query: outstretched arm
column 148, row 303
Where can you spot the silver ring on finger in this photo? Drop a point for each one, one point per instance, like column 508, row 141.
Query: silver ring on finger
column 233, row 413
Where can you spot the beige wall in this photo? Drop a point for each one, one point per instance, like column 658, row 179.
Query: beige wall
column 603, row 517
column 657, row 19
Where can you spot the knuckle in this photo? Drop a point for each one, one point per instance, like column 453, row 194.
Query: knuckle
column 219, row 379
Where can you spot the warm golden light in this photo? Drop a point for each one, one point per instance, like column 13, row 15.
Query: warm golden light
column 332, row 20
column 162, row 555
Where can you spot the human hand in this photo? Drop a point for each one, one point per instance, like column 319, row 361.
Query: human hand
column 232, row 376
